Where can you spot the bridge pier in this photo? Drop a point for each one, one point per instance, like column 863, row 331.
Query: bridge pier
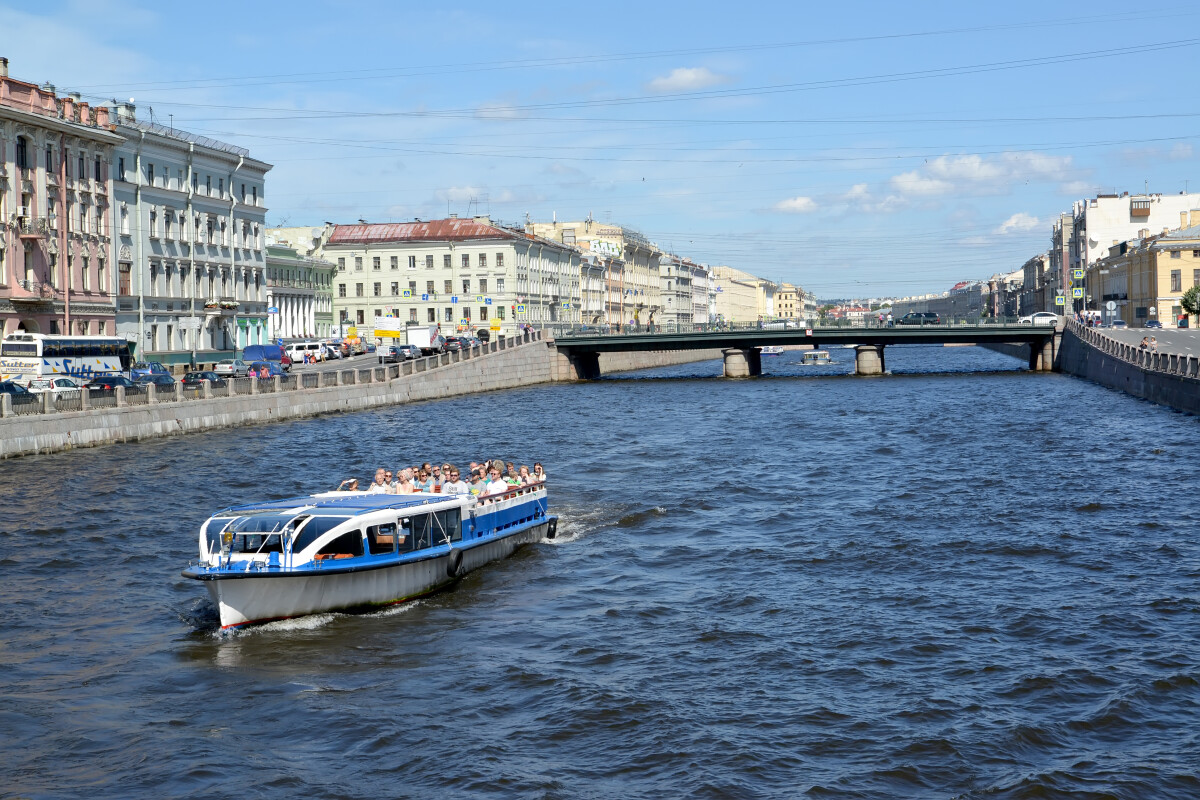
column 586, row 366
column 1041, row 356
column 742, row 363
column 868, row 359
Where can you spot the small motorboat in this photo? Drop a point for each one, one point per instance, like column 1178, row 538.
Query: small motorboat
column 815, row 357
column 772, row 350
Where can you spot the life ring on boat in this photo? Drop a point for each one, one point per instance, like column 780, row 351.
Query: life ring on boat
column 552, row 528
column 454, row 565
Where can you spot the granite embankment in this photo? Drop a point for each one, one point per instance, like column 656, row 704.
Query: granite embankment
column 1167, row 378
column 503, row 365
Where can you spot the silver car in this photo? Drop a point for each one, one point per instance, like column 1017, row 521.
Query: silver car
column 58, row 386
column 232, row 368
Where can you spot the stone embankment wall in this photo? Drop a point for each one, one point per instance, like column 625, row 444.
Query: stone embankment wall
column 1020, row 351
column 1169, row 379
column 515, row 365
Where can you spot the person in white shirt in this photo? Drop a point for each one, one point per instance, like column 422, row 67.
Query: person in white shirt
column 379, row 485
column 496, row 485
column 454, row 484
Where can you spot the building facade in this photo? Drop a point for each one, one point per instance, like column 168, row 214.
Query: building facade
column 458, row 274
column 188, row 217
column 56, row 248
column 299, row 294
column 639, row 301
column 737, row 296
column 1034, row 294
column 1145, row 278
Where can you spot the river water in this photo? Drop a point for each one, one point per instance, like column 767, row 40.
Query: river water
column 962, row 580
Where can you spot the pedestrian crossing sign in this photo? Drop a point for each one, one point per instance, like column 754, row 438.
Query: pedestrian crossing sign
column 1077, row 274
column 521, row 309
column 1060, row 301
column 1077, row 291
column 406, row 293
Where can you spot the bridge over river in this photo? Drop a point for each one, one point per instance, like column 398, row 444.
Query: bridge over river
column 742, row 347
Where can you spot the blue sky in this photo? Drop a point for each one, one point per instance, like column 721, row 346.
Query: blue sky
column 854, row 148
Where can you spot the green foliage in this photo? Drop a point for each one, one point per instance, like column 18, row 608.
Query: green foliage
column 1191, row 300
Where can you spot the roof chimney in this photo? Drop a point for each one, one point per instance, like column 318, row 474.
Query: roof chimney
column 3, row 67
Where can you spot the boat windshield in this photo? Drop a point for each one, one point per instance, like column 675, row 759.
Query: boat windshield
column 260, row 533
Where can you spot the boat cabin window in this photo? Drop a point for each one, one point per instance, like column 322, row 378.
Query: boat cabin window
column 348, row 545
column 313, row 530
column 381, row 539
column 450, row 521
column 422, row 531
column 257, row 543
column 430, row 530
column 259, row 533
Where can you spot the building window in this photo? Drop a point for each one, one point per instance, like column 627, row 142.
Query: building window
column 376, row 289
column 499, row 284
column 466, row 285
column 153, row 224
column 500, row 312
column 446, row 260
column 149, row 174
column 220, row 187
column 412, row 262
column 1176, row 280
column 412, row 287
column 449, row 287
column 254, row 195
column 483, row 260
column 358, row 290
column 395, row 262
column 375, row 262
column 208, row 184
column 22, row 153
column 428, row 262
column 466, row 260
column 341, row 265
column 450, row 314
column 1176, row 254
column 429, row 287
column 431, row 314
column 483, row 313
column 341, row 290
column 49, row 158
column 359, row 316
column 101, row 286
column 121, row 169
column 466, row 312
column 412, row 314
column 395, row 289
column 1196, row 277
column 195, row 182
column 499, row 259
column 358, row 263
column 483, row 285
column 96, row 174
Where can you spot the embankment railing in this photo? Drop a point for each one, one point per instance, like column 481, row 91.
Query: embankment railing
column 1148, row 359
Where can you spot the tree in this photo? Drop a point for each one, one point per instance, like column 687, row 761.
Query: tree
column 1191, row 301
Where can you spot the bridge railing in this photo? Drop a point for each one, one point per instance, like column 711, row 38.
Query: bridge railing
column 566, row 331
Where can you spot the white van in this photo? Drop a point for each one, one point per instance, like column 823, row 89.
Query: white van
column 298, row 350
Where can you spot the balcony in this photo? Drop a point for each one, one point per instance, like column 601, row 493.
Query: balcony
column 1139, row 208
column 39, row 293
column 32, row 227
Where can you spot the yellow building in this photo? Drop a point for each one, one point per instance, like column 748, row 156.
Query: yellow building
column 1146, row 277
column 741, row 297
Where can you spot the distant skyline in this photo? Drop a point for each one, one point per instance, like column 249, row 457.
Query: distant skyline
column 856, row 149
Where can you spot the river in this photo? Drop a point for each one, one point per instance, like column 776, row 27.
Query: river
column 963, row 580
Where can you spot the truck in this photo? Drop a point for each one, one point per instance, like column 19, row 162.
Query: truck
column 425, row 337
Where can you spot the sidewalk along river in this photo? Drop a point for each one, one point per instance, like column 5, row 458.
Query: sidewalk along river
column 960, row 580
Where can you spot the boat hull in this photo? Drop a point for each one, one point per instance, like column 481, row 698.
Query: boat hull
column 256, row 599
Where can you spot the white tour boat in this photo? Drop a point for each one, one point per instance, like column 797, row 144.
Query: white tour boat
column 772, row 349
column 344, row 551
column 815, row 357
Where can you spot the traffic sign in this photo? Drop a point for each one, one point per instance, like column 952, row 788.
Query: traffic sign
column 424, row 297
column 1060, row 301
column 1111, row 305
column 406, row 293
column 521, row 308
column 566, row 304
column 1077, row 291
column 487, row 302
column 1077, row 274
column 478, row 298
column 1060, row 291
column 453, row 298
column 272, row 310
column 495, row 324
column 464, row 321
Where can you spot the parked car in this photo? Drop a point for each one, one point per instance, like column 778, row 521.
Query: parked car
column 148, row 368
column 370, row 347
column 333, row 351
column 920, row 318
column 15, row 389
column 1153, row 323
column 271, row 367
column 1040, row 318
column 267, row 352
column 296, row 351
column 452, row 344
column 156, row 379
column 232, row 368
column 58, row 386
column 484, row 335
column 388, row 354
column 408, row 351
column 106, row 383
column 198, row 378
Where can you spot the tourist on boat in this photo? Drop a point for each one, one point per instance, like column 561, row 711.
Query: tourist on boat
column 539, row 474
column 436, row 477
column 523, row 475
column 379, row 485
column 454, row 484
column 495, row 485
column 423, row 482
column 404, row 483
column 348, row 485
column 512, row 478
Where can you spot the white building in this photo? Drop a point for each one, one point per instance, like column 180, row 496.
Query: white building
column 188, row 216
column 299, row 294
column 460, row 274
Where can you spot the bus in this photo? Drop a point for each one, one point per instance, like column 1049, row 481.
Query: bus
column 25, row 356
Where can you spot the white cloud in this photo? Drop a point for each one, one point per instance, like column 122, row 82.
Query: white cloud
column 686, row 79
column 797, row 205
column 1018, row 223
column 914, row 184
column 975, row 175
